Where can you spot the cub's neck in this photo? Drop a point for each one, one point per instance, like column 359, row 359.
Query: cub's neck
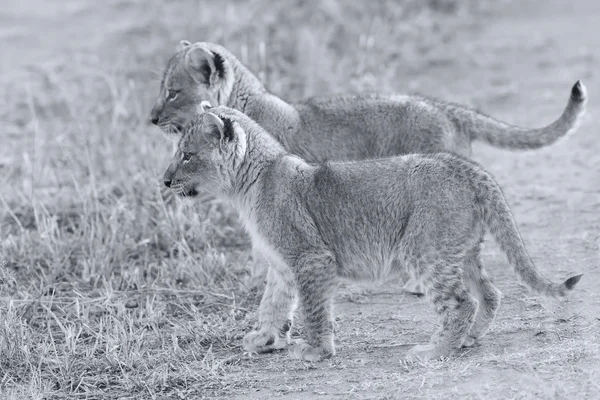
column 249, row 96
column 263, row 153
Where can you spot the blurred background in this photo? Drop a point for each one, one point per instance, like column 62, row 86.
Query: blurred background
column 109, row 290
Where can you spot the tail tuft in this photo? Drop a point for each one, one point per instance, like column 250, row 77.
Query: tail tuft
column 572, row 281
column 579, row 92
column 499, row 134
column 561, row 289
column 502, row 226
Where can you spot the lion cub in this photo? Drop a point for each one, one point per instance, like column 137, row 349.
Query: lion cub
column 342, row 127
column 356, row 220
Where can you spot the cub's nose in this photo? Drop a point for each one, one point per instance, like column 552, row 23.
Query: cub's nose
column 167, row 183
column 154, row 120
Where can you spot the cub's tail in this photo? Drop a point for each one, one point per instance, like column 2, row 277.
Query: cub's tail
column 499, row 134
column 502, row 226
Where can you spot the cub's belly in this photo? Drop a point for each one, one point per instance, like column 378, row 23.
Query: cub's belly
column 375, row 268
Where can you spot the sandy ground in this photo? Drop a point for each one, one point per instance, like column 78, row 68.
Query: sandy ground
column 518, row 67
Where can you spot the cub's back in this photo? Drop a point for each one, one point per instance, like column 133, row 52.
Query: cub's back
column 356, row 203
column 357, row 127
column 409, row 178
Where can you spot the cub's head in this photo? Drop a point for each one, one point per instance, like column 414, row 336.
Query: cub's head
column 211, row 148
column 195, row 73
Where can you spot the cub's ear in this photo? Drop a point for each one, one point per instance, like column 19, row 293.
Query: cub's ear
column 217, row 128
column 182, row 45
column 204, row 66
column 205, row 106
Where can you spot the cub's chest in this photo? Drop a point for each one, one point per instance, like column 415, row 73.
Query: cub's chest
column 264, row 246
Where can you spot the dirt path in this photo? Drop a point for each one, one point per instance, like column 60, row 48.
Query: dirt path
column 520, row 67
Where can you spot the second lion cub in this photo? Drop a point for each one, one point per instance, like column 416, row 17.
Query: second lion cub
column 355, row 220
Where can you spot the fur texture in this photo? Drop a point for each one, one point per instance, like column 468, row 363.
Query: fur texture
column 364, row 220
column 349, row 127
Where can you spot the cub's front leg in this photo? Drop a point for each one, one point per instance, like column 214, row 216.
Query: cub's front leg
column 316, row 277
column 259, row 268
column 275, row 314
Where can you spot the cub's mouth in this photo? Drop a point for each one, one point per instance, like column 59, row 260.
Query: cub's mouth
column 178, row 127
column 171, row 128
column 191, row 192
column 184, row 191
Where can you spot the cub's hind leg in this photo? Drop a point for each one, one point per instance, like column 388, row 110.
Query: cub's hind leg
column 487, row 295
column 316, row 277
column 275, row 314
column 444, row 286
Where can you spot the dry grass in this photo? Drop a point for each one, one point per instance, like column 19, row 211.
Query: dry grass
column 109, row 292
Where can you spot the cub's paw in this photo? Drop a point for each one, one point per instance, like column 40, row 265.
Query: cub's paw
column 306, row 352
column 263, row 341
column 470, row 341
column 425, row 352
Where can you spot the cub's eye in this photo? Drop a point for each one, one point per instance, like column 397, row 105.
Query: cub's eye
column 172, row 95
column 186, row 157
